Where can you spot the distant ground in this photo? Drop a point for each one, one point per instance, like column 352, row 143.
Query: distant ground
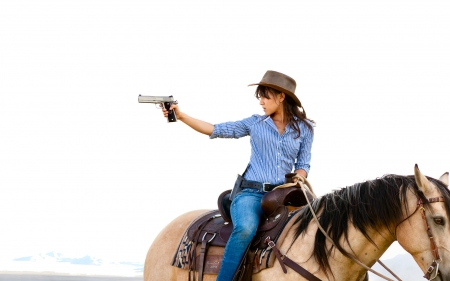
column 54, row 263
column 18, row 276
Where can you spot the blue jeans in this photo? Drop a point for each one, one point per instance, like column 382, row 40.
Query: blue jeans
column 245, row 214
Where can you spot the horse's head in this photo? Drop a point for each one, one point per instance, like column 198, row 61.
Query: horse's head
column 425, row 230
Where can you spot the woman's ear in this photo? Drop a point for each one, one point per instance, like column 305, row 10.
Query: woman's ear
column 282, row 96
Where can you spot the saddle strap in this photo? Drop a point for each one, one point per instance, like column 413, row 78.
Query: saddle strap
column 202, row 259
column 277, row 252
column 192, row 253
column 287, row 261
column 300, row 270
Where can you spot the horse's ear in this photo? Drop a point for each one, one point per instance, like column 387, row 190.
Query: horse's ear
column 444, row 178
column 421, row 180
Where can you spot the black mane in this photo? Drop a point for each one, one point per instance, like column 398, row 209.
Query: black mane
column 368, row 205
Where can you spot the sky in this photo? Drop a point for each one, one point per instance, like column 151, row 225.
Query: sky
column 86, row 169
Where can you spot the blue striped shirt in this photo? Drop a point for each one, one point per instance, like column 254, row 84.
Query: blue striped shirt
column 272, row 155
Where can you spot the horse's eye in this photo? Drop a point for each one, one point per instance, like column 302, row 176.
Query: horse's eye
column 439, row 221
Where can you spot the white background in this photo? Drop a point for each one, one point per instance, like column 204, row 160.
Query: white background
column 86, row 169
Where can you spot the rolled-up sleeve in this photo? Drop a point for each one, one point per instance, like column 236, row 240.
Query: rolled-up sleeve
column 236, row 129
column 304, row 153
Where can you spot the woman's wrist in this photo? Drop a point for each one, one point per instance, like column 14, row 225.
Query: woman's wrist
column 181, row 116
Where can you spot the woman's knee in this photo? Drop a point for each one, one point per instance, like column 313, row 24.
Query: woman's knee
column 246, row 229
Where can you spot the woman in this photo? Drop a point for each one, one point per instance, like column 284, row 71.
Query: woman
column 280, row 140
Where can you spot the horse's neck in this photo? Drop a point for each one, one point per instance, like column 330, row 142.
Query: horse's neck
column 365, row 251
column 360, row 247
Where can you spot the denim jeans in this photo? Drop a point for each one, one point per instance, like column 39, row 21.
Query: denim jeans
column 245, row 214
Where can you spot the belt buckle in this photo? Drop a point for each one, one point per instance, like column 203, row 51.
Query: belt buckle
column 264, row 186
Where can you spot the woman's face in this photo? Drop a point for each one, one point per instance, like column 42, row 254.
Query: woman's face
column 273, row 104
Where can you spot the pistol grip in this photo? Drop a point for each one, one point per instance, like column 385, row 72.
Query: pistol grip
column 171, row 117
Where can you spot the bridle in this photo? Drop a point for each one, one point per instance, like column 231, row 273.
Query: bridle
column 434, row 267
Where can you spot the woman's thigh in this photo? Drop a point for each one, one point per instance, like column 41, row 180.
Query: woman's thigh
column 246, row 209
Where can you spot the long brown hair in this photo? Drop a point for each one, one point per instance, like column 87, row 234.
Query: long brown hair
column 291, row 110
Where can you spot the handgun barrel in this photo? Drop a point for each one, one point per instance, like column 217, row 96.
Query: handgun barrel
column 155, row 99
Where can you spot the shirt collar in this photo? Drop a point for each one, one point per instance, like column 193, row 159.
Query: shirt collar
column 269, row 121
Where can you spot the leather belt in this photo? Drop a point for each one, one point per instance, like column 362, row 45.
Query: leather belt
column 265, row 187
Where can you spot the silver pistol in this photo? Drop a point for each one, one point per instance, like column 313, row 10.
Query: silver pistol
column 160, row 102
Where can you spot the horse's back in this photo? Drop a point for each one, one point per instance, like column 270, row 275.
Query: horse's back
column 161, row 252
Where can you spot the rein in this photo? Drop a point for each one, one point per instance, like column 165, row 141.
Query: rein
column 433, row 267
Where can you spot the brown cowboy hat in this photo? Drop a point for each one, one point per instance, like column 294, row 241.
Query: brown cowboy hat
column 280, row 82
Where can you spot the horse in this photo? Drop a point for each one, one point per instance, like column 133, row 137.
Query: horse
column 361, row 221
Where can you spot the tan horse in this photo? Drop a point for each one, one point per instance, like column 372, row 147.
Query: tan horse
column 363, row 219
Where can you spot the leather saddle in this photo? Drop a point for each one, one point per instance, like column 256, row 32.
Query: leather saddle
column 291, row 196
column 214, row 228
column 274, row 205
column 210, row 232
